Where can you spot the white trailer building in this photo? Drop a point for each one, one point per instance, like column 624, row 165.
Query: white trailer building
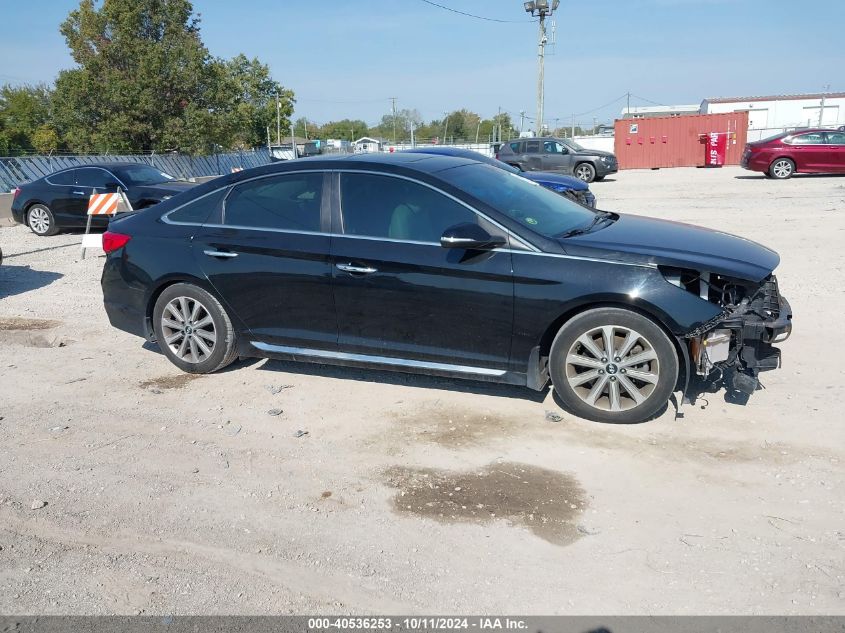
column 781, row 112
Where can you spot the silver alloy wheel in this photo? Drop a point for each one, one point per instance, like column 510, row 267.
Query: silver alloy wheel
column 39, row 220
column 782, row 169
column 584, row 172
column 188, row 329
column 612, row 368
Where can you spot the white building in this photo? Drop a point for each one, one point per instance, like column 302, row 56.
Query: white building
column 366, row 144
column 643, row 112
column 783, row 111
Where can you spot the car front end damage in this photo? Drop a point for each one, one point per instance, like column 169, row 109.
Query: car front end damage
column 738, row 343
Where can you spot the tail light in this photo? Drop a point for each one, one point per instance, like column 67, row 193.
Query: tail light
column 114, row 241
column 16, row 192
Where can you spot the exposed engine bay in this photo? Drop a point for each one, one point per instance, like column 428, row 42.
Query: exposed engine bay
column 754, row 317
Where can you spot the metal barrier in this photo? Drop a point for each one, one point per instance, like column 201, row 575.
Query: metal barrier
column 16, row 170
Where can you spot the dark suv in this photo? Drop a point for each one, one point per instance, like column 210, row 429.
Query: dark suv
column 560, row 155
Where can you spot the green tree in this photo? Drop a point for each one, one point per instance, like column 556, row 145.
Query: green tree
column 345, row 129
column 145, row 81
column 23, row 111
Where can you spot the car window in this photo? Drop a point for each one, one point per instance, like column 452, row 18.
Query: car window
column 289, row 202
column 199, row 210
column 93, row 177
column 553, row 147
column 813, row 138
column 143, row 175
column 67, row 177
column 515, row 147
column 836, row 138
column 532, row 147
column 395, row 208
column 526, row 202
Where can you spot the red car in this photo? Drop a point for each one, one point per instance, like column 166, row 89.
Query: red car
column 805, row 151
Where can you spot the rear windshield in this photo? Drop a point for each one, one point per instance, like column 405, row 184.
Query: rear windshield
column 533, row 206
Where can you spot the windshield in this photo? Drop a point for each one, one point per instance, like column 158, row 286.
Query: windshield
column 571, row 144
column 533, row 206
column 142, row 175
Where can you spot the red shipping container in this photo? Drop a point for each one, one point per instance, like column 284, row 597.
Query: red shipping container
column 683, row 140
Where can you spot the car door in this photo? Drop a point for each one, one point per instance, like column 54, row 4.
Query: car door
column 532, row 159
column 91, row 180
column 267, row 254
column 810, row 152
column 399, row 294
column 63, row 198
column 836, row 149
column 556, row 157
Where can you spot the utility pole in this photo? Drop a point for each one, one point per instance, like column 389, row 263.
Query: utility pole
column 305, row 125
column 521, row 122
column 541, row 9
column 498, row 125
column 278, row 121
column 445, row 125
column 628, row 107
column 821, row 109
column 393, row 110
column 573, row 126
column 477, row 130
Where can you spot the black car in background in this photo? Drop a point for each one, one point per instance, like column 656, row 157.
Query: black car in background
column 444, row 265
column 60, row 200
column 558, row 155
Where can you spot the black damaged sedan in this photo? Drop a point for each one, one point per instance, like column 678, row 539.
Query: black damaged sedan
column 443, row 265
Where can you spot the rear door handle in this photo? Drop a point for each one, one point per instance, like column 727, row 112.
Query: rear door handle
column 223, row 254
column 78, row 193
column 363, row 270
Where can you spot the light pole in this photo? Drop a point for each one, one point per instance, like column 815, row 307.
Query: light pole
column 541, row 9
column 445, row 125
column 521, row 122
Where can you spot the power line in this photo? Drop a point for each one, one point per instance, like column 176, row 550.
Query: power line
column 478, row 17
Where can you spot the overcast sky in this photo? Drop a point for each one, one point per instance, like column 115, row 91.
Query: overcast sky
column 346, row 58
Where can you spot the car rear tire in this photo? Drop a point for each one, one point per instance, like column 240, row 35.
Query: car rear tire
column 613, row 365
column 40, row 220
column 193, row 329
column 782, row 168
column 585, row 172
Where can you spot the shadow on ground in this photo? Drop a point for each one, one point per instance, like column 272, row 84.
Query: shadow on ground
column 15, row 280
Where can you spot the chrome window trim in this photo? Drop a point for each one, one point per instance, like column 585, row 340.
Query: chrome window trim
column 380, row 360
column 498, row 225
column 61, row 171
column 580, row 258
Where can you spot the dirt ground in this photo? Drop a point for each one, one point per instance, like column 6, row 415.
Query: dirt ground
column 127, row 487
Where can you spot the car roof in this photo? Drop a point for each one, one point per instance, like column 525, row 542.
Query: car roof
column 427, row 163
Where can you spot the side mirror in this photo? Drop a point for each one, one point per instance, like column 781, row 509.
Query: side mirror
column 470, row 236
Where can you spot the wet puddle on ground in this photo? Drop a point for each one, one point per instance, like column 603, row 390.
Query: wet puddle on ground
column 168, row 382
column 20, row 323
column 546, row 502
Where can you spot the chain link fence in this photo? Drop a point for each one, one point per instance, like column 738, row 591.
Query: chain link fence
column 16, row 170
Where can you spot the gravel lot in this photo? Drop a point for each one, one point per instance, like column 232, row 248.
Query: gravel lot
column 127, row 487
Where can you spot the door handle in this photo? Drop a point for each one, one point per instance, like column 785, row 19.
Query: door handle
column 222, row 254
column 363, row 270
column 78, row 193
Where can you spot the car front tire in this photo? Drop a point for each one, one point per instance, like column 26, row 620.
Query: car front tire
column 782, row 168
column 40, row 220
column 193, row 329
column 613, row 365
column 585, row 172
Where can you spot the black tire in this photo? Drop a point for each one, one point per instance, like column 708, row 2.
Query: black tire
column 40, row 220
column 224, row 349
column 585, row 172
column 782, row 168
column 661, row 373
